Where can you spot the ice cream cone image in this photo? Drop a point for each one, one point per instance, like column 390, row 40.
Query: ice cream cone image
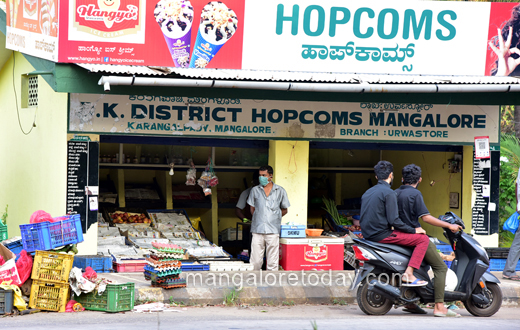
column 11, row 12
column 175, row 18
column 48, row 17
column 109, row 6
column 218, row 24
column 14, row 5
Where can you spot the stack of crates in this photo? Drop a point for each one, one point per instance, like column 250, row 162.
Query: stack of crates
column 50, row 286
column 498, row 258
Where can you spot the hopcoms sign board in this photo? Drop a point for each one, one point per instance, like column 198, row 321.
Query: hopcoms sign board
column 244, row 118
column 372, row 36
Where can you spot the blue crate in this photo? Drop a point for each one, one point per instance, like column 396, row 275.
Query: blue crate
column 46, row 236
column 448, row 263
column 15, row 245
column 189, row 266
column 444, row 248
column 287, row 231
column 100, row 264
column 67, row 231
column 496, row 265
column 36, row 236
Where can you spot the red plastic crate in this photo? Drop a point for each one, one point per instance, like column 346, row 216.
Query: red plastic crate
column 130, row 267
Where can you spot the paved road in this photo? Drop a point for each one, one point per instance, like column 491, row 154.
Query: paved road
column 239, row 318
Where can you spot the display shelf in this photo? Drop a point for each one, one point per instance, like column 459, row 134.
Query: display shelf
column 186, row 204
column 177, row 167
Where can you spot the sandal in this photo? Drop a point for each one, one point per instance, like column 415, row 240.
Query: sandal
column 417, row 282
column 511, row 277
column 450, row 313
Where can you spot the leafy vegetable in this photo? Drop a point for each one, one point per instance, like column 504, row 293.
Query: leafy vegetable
column 4, row 216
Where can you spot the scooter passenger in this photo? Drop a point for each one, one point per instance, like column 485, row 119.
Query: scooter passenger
column 411, row 207
column 380, row 222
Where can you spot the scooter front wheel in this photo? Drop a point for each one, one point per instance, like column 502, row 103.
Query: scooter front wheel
column 494, row 294
column 370, row 302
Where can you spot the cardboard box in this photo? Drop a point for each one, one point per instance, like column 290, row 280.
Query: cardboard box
column 8, row 270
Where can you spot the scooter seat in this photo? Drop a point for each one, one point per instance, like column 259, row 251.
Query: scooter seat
column 397, row 248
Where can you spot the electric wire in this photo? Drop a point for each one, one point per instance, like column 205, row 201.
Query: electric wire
column 16, row 102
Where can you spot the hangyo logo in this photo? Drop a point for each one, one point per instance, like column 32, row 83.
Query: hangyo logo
column 315, row 253
column 108, row 18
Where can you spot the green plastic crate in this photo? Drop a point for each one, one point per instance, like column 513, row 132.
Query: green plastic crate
column 116, row 298
column 3, row 231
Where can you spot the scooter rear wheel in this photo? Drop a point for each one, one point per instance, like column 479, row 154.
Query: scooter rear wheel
column 494, row 294
column 372, row 303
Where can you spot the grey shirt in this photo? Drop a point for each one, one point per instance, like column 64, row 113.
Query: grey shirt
column 242, row 201
column 268, row 209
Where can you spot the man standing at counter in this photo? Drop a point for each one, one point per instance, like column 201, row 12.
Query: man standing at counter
column 268, row 202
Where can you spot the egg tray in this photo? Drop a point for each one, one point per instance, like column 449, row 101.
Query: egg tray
column 153, row 277
column 178, row 256
column 162, row 273
column 169, row 286
column 165, row 268
column 172, row 278
column 163, row 264
column 154, row 257
column 169, row 250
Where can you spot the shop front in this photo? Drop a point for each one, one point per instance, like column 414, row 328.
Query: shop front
column 147, row 144
column 128, row 132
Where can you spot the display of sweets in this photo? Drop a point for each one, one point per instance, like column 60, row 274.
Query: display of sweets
column 163, row 267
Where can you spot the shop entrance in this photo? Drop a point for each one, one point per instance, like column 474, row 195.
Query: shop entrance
column 342, row 172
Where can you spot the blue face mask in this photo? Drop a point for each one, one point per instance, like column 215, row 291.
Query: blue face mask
column 263, row 181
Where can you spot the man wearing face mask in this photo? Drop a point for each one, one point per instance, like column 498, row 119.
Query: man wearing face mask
column 268, row 202
column 380, row 222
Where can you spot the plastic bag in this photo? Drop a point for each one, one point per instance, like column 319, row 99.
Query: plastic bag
column 41, row 216
column 74, row 306
column 511, row 224
column 191, row 175
column 90, row 274
column 18, row 301
column 24, row 265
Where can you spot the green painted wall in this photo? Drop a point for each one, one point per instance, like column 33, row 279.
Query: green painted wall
column 33, row 168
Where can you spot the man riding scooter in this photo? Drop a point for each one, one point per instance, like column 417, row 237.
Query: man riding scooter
column 411, row 207
column 379, row 213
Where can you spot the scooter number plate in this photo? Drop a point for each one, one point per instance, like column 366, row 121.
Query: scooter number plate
column 350, row 258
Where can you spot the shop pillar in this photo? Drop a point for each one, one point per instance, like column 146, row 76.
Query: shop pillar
column 290, row 161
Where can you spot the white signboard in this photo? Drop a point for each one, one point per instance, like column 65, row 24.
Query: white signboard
column 214, row 117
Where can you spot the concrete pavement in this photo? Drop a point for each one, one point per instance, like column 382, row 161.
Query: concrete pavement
column 273, row 288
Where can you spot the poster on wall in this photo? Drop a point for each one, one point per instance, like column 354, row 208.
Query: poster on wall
column 241, row 118
column 373, row 36
column 486, row 178
column 82, row 181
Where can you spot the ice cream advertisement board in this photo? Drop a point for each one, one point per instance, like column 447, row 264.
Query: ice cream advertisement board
column 373, row 36
column 32, row 27
column 245, row 118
